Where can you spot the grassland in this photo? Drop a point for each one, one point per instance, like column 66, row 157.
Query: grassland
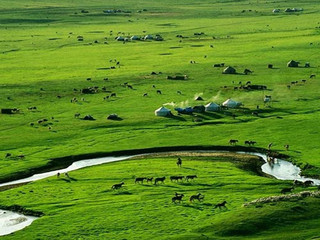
column 39, row 50
column 84, row 206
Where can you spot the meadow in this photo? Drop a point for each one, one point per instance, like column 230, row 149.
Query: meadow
column 43, row 65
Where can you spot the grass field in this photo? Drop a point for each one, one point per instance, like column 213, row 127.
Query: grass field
column 41, row 59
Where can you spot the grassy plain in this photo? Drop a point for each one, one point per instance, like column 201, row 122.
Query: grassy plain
column 38, row 51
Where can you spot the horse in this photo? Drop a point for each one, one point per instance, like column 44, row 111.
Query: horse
column 159, row 179
column 179, row 162
column 149, row 179
column 192, row 177
column 176, row 178
column 198, row 196
column 177, row 197
column 117, row 186
column 140, row 180
column 233, row 141
column 220, row 205
column 250, row 142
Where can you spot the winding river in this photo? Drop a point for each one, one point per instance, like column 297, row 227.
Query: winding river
column 11, row 222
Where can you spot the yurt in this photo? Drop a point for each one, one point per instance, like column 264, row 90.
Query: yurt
column 162, row 112
column 231, row 103
column 212, row 107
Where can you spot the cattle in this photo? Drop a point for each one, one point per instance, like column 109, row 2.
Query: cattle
column 8, row 155
column 117, row 186
column 77, row 115
column 129, row 86
column 179, row 162
column 113, row 95
column 179, row 92
column 176, row 178
column 221, row 205
column 145, row 94
column 159, row 179
column 312, row 76
column 303, row 80
column 233, row 141
column 286, row 190
column 159, row 92
column 21, row 156
column 247, row 71
column 140, row 180
column 270, row 66
column 308, row 183
column 198, row 197
column 191, row 177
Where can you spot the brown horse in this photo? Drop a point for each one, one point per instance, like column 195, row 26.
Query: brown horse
column 221, row 205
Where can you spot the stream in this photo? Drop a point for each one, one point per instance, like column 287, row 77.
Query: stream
column 11, row 222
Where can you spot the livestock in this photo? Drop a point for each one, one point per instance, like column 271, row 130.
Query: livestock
column 179, row 92
column 191, row 177
column 247, row 71
column 177, row 197
column 221, row 205
column 249, row 143
column 179, row 162
column 113, row 95
column 159, row 179
column 8, row 155
column 312, row 76
column 286, row 147
column 270, row 66
column 117, row 186
column 21, row 156
column 176, row 178
column 77, row 115
column 140, row 180
column 218, row 65
column 159, row 92
column 308, row 183
column 58, row 174
column 233, row 141
column 149, row 179
column 31, row 124
column 303, row 80
column 270, row 145
column 198, row 197
column 129, row 86
column 145, row 94
column 286, row 190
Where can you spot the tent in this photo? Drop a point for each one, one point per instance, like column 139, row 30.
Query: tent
column 229, row 70
column 212, row 107
column 134, row 37
column 148, row 37
column 162, row 112
column 231, row 103
column 120, row 38
column 293, row 63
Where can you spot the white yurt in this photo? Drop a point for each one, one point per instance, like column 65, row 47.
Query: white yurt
column 212, row 107
column 231, row 103
column 162, row 112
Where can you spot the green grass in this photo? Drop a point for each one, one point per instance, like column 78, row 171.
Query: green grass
column 38, row 51
column 86, row 207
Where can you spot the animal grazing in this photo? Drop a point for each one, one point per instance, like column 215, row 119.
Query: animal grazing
column 312, row 76
column 177, row 197
column 159, row 179
column 247, row 71
column 77, row 115
column 176, row 178
column 286, row 190
column 191, row 177
column 179, row 162
column 113, row 95
column 233, row 141
column 145, row 94
column 117, row 186
column 198, row 197
column 221, row 205
column 179, row 92
column 286, row 147
column 159, row 92
column 8, row 155
column 140, row 180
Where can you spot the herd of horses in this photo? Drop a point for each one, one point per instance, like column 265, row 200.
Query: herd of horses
column 178, row 197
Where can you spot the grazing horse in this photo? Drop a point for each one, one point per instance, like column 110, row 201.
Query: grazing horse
column 221, row 205
column 198, row 196
column 140, row 180
column 117, row 186
column 160, row 179
column 177, row 197
column 176, row 178
column 149, row 179
column 286, row 190
column 233, row 141
column 159, row 92
column 191, row 177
